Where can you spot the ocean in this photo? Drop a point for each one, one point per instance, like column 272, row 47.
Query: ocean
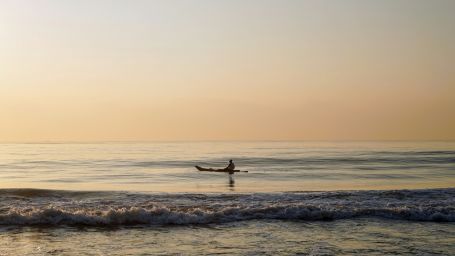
column 297, row 198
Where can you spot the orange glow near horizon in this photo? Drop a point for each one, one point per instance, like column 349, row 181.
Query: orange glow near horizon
column 226, row 70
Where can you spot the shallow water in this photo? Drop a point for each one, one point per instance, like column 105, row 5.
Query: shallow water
column 296, row 199
column 343, row 237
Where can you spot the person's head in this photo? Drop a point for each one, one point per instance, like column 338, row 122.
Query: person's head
column 230, row 161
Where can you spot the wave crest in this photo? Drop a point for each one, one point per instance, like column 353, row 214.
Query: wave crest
column 161, row 215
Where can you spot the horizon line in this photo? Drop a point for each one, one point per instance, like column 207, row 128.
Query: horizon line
column 219, row 141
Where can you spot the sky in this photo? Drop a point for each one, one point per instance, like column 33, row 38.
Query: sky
column 94, row 70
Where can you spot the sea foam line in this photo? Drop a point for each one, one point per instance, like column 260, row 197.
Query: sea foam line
column 161, row 215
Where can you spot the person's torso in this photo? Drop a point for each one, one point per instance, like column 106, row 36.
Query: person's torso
column 231, row 166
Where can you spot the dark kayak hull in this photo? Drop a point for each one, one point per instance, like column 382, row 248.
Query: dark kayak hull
column 216, row 170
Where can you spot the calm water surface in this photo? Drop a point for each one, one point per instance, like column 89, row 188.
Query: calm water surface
column 272, row 167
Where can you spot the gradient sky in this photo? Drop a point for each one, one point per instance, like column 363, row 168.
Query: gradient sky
column 227, row 70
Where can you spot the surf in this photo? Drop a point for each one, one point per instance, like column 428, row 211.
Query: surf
column 80, row 208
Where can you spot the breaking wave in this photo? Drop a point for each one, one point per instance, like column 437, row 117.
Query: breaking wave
column 25, row 207
column 164, row 215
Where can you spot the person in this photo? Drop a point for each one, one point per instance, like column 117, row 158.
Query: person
column 231, row 166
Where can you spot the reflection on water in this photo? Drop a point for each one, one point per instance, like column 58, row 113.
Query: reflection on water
column 344, row 237
column 231, row 180
column 271, row 166
column 231, row 183
column 243, row 218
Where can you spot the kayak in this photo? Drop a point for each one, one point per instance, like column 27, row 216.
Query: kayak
column 216, row 170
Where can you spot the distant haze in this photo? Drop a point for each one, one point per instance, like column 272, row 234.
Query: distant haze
column 227, row 70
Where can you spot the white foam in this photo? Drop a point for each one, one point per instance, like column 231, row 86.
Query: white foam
column 104, row 209
column 164, row 215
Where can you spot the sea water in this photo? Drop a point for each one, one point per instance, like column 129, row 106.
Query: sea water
column 298, row 198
